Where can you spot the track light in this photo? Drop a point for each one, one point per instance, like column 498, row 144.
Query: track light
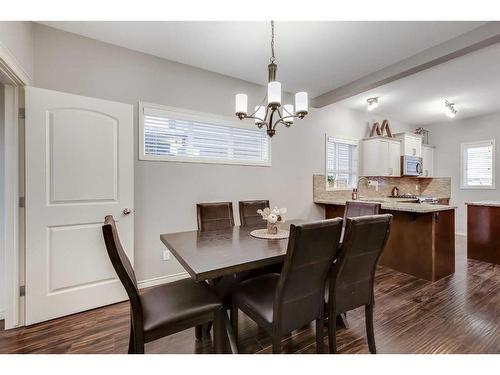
column 450, row 109
column 372, row 103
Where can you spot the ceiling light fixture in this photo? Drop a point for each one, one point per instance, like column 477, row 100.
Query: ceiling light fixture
column 451, row 110
column 372, row 103
column 264, row 114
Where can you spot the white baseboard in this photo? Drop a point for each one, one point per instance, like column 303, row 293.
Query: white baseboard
column 161, row 280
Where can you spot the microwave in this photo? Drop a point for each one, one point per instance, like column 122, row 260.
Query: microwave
column 411, row 166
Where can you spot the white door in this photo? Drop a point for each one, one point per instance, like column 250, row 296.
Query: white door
column 79, row 168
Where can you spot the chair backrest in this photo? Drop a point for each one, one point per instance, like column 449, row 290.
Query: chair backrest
column 119, row 260
column 213, row 216
column 355, row 209
column 351, row 283
column 248, row 212
column 300, row 294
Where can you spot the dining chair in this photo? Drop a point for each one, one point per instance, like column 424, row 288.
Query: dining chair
column 214, row 216
column 351, row 279
column 164, row 309
column 248, row 212
column 355, row 209
column 281, row 303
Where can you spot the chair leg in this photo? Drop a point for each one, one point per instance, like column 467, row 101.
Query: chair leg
column 369, row 328
column 276, row 344
column 131, row 346
column 218, row 332
column 139, row 347
column 320, row 328
column 332, row 334
column 135, row 344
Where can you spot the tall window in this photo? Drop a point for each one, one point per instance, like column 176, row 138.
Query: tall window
column 171, row 134
column 341, row 163
column 478, row 165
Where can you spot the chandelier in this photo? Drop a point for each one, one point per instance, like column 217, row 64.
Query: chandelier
column 272, row 113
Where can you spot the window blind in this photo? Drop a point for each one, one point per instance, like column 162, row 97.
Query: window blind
column 478, row 164
column 342, row 163
column 174, row 136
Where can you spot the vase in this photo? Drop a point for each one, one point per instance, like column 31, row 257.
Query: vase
column 273, row 228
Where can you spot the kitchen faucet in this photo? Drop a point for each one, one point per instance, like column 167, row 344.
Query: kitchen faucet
column 359, row 180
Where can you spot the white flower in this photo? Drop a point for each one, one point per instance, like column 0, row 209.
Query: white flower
column 272, row 219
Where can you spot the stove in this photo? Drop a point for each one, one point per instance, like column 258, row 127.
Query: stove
column 418, row 198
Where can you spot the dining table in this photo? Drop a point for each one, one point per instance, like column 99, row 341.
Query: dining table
column 208, row 256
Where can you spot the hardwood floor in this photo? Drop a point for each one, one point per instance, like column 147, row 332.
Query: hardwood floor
column 458, row 314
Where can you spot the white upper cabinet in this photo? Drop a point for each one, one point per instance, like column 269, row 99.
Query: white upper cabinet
column 380, row 157
column 411, row 144
column 428, row 161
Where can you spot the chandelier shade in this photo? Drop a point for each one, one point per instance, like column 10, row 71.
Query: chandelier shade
column 272, row 112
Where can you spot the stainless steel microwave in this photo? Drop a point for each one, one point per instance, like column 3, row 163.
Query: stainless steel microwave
column 411, row 166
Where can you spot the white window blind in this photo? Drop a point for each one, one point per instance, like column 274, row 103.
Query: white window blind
column 198, row 137
column 478, row 160
column 341, row 163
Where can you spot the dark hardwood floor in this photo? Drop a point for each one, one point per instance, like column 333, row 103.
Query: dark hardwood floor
column 458, row 314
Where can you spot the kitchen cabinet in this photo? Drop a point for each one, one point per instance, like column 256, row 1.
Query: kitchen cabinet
column 380, row 156
column 427, row 161
column 411, row 144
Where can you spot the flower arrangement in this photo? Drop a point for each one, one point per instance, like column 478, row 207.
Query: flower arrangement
column 273, row 217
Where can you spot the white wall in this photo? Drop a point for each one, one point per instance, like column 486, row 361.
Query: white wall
column 165, row 192
column 447, row 137
column 2, row 206
column 17, row 38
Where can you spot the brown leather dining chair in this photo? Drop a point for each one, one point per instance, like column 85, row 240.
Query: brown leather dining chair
column 164, row 309
column 281, row 303
column 214, row 216
column 351, row 280
column 248, row 212
column 355, row 209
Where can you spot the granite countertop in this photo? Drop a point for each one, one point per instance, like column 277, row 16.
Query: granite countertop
column 390, row 205
column 484, row 203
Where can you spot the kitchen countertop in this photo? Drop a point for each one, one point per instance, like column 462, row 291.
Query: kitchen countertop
column 389, row 204
column 484, row 203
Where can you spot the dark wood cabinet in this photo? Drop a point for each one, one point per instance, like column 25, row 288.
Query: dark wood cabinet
column 483, row 229
column 420, row 244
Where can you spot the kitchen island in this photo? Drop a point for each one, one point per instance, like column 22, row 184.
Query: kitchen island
column 483, row 227
column 422, row 238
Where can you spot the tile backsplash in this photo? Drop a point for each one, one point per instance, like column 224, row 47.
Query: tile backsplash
column 439, row 187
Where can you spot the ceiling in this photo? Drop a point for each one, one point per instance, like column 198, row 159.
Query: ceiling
column 471, row 81
column 312, row 56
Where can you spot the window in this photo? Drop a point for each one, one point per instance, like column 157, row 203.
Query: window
column 171, row 134
column 478, row 165
column 341, row 163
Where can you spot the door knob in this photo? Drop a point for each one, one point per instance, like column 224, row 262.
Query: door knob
column 126, row 211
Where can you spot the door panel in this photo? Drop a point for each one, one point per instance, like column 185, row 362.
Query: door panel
column 95, row 158
column 79, row 168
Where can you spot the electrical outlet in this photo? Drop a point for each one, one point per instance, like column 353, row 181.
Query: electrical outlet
column 373, row 183
column 166, row 255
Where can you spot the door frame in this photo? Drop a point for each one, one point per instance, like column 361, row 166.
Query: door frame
column 14, row 77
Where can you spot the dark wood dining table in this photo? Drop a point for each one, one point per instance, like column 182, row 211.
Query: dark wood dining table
column 208, row 256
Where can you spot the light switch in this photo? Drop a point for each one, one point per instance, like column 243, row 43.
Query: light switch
column 166, row 255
